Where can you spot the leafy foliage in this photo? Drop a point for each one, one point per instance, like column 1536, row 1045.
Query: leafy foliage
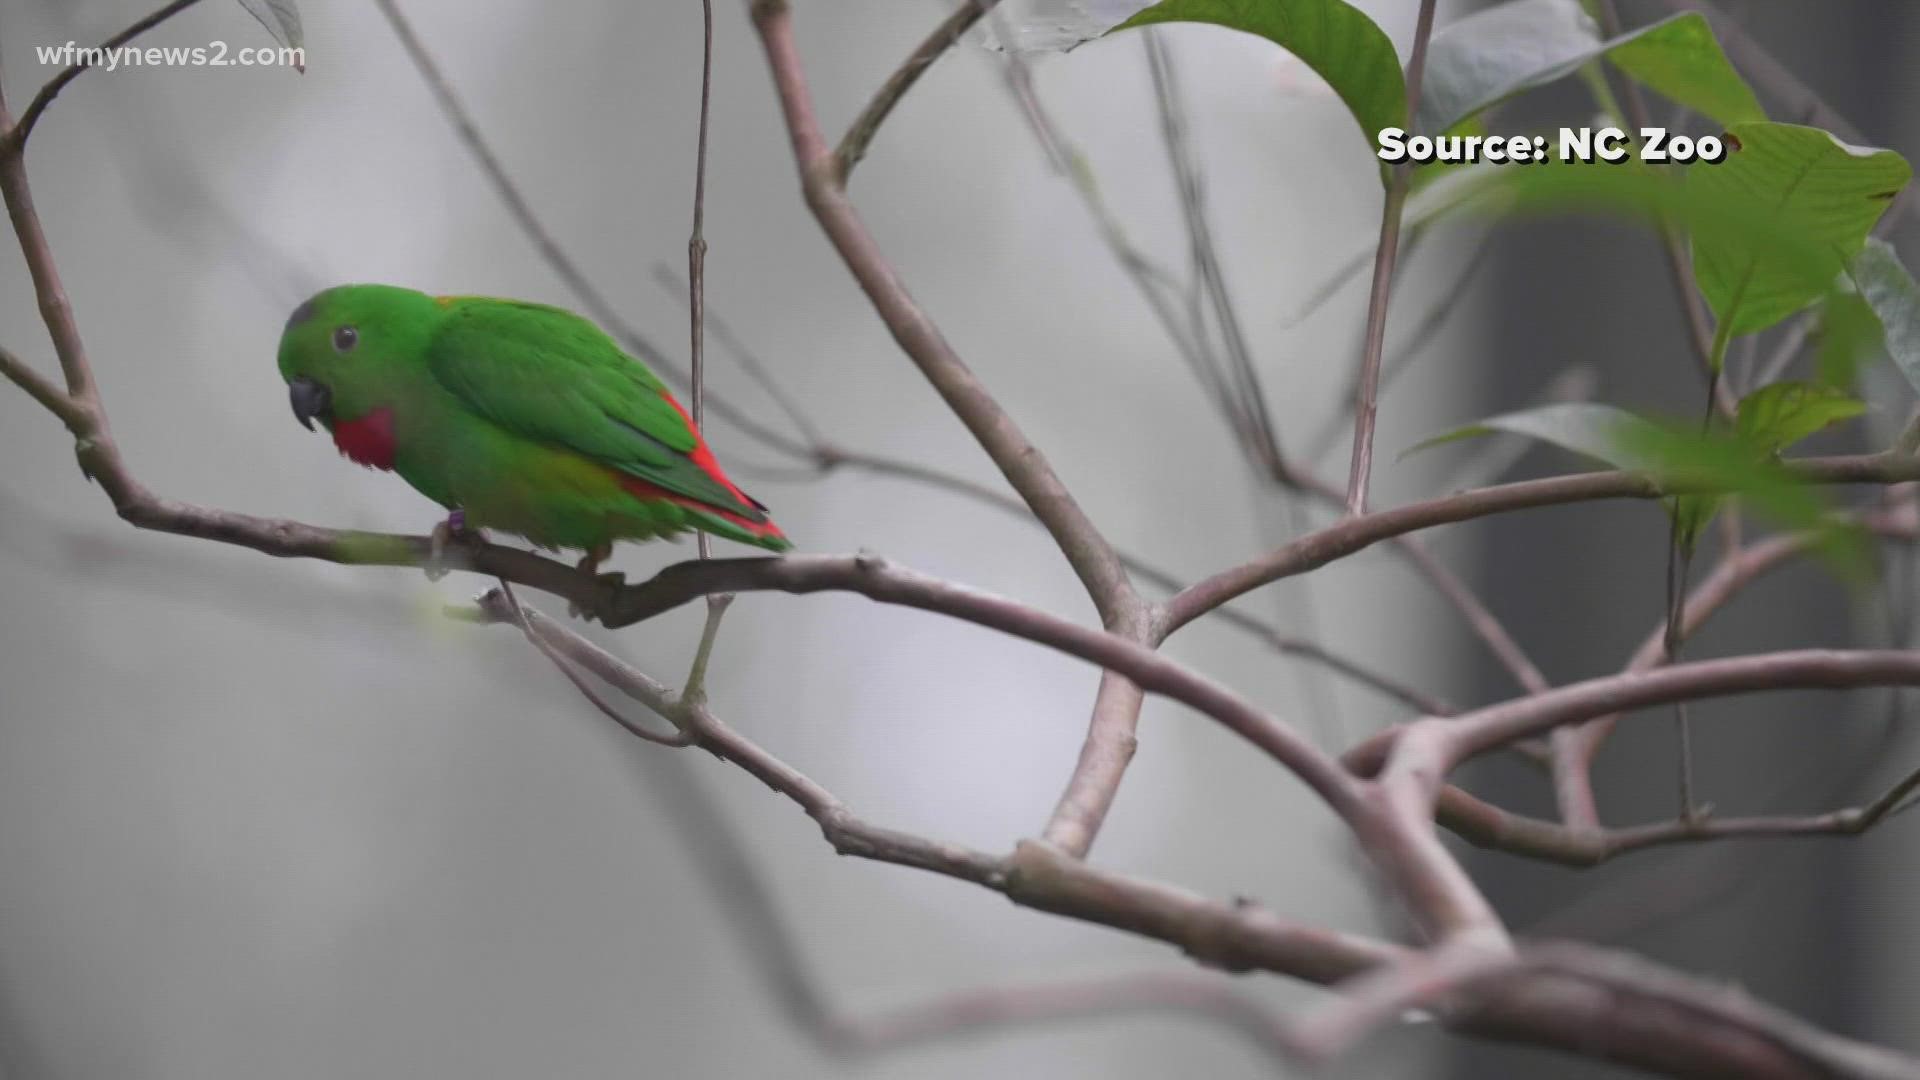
column 1681, row 59
column 1820, row 191
column 1775, row 417
column 1772, row 227
column 1587, row 429
column 1485, row 58
column 1704, row 464
column 282, row 20
column 1889, row 292
column 1330, row 36
column 1849, row 339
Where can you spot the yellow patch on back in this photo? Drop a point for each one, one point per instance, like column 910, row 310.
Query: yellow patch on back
column 445, row 301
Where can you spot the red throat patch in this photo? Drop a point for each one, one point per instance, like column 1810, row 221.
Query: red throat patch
column 367, row 441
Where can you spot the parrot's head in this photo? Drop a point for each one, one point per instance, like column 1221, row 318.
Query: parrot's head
column 355, row 349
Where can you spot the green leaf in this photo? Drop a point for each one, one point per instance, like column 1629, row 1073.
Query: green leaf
column 1595, row 431
column 1332, row 37
column 1778, row 415
column 282, row 20
column 1485, row 58
column 1681, row 59
column 1889, row 292
column 1849, row 336
column 1491, row 55
column 1678, row 458
column 1820, row 190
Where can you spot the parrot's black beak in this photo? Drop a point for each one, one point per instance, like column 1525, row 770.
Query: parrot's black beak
column 310, row 399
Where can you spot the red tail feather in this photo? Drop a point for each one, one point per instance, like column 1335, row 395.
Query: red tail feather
column 703, row 457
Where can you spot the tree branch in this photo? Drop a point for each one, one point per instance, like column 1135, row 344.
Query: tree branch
column 1086, row 550
column 1473, row 733
column 42, row 389
column 1366, row 406
column 876, row 579
column 1673, row 1024
column 1109, row 745
column 853, row 145
column 15, row 137
column 1353, row 534
column 1679, row 262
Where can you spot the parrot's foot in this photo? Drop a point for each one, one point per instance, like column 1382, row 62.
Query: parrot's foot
column 590, row 564
column 454, row 530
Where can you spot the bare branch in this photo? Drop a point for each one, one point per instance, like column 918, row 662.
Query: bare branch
column 1259, row 438
column 1109, row 744
column 1353, row 534
column 1091, row 557
column 1484, row 623
column 1142, row 570
column 1679, row 263
column 750, row 362
column 1476, row 732
column 1376, row 997
column 697, row 263
column 847, row 833
column 1204, row 996
column 1242, row 397
column 1155, row 283
column 42, row 389
column 1645, row 996
column 1459, row 283
column 1234, row 936
column 1495, row 829
column 875, row 578
column 13, row 139
column 853, row 145
column 55, row 309
column 1243, row 935
column 1732, row 575
column 505, row 600
column 1366, row 405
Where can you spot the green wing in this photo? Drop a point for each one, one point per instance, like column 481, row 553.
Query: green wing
column 551, row 376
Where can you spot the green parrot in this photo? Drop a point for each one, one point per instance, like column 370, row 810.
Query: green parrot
column 515, row 416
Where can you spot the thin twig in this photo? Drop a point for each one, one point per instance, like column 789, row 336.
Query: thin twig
column 1411, row 344
column 697, row 254
column 1349, row 535
column 1239, row 390
column 853, row 145
column 684, row 736
column 1245, row 935
column 833, row 458
column 717, row 603
column 15, row 138
column 43, row 390
column 1482, row 730
column 1242, row 381
column 1083, row 545
column 750, row 362
column 1110, row 740
column 1366, row 404
column 595, row 302
column 1785, row 351
column 1375, row 998
column 1156, row 285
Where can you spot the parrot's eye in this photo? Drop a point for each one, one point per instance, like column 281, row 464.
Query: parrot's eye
column 345, row 338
